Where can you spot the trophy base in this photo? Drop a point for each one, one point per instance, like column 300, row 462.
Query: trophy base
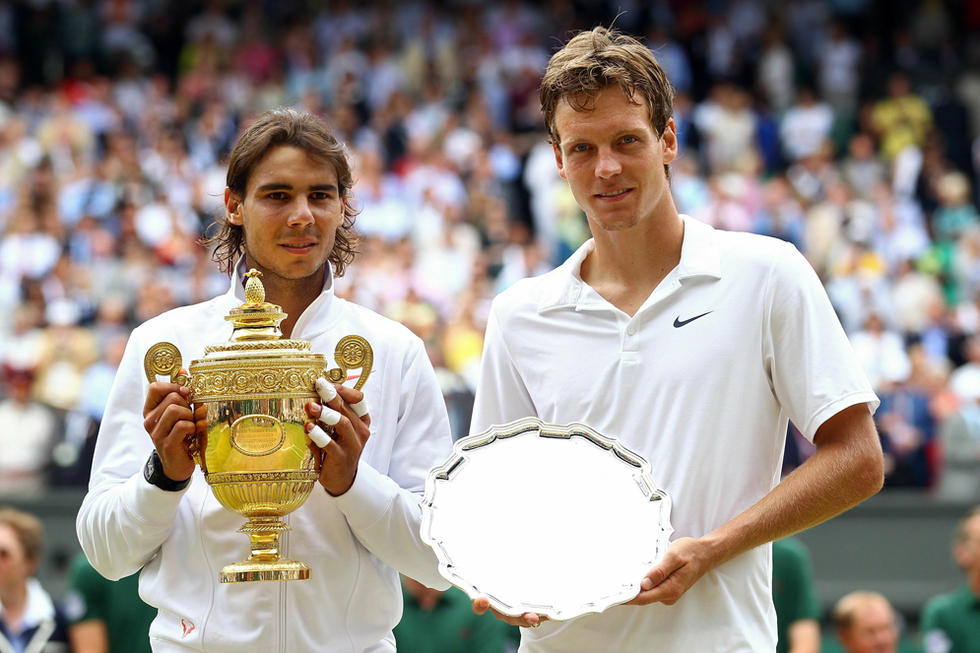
column 255, row 570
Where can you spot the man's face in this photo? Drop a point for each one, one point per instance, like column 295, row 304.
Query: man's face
column 290, row 213
column 968, row 553
column 15, row 569
column 873, row 630
column 613, row 161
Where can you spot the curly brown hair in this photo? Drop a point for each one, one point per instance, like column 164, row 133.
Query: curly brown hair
column 285, row 126
column 598, row 58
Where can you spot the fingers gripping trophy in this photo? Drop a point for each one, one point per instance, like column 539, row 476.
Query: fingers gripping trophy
column 254, row 451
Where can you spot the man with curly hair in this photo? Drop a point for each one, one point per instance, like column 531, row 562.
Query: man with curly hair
column 288, row 214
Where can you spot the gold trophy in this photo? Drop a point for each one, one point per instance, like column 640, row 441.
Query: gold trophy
column 254, row 454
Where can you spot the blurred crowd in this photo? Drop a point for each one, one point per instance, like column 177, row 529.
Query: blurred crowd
column 848, row 130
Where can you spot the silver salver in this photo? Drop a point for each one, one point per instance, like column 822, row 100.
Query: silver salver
column 554, row 519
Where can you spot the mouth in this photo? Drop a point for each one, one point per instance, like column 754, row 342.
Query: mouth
column 613, row 194
column 298, row 247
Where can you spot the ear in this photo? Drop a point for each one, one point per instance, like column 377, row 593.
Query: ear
column 669, row 141
column 233, row 208
column 558, row 160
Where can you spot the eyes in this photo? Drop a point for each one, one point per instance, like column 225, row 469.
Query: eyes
column 318, row 195
column 629, row 139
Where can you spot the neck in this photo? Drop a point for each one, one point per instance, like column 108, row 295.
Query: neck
column 14, row 601
column 626, row 266
column 293, row 295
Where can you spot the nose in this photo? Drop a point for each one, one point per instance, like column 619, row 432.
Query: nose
column 607, row 163
column 301, row 215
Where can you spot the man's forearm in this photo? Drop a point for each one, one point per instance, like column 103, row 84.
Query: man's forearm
column 845, row 469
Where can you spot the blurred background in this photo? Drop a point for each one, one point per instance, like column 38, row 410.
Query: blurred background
column 848, row 127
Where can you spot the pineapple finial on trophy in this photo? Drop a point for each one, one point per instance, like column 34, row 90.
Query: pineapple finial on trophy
column 254, row 290
column 256, row 319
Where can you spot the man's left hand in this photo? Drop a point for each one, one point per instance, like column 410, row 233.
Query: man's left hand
column 338, row 435
column 684, row 563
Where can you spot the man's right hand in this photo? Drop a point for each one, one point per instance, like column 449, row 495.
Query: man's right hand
column 526, row 620
column 168, row 418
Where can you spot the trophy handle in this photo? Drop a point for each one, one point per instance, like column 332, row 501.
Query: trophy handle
column 164, row 359
column 352, row 352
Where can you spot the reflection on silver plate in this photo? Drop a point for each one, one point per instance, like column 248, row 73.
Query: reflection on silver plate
column 557, row 520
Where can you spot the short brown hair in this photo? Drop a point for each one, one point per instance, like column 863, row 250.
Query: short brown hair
column 28, row 530
column 285, row 126
column 601, row 57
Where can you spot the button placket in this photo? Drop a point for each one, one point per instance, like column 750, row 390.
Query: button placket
column 630, row 351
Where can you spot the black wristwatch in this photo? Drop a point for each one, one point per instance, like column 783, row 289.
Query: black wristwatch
column 153, row 473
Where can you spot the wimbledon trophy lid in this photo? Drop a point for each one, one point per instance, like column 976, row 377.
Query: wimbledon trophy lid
column 256, row 361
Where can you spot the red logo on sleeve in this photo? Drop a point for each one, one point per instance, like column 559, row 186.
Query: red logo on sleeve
column 188, row 627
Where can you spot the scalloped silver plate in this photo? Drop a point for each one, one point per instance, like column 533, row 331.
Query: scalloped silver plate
column 554, row 519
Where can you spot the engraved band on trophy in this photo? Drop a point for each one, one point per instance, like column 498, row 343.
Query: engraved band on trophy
column 254, row 453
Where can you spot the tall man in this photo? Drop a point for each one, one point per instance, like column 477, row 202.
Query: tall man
column 694, row 346
column 288, row 214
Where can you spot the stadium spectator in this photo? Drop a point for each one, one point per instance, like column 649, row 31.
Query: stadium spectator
column 951, row 622
column 865, row 623
column 907, row 428
column 902, row 119
column 436, row 621
column 839, row 69
column 862, row 169
column 959, row 440
column 881, row 352
column 795, row 598
column 965, row 380
column 106, row 616
column 727, row 126
column 28, row 433
column 29, row 619
column 775, row 69
column 805, row 126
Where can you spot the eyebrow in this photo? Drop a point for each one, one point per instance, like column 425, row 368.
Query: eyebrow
column 279, row 185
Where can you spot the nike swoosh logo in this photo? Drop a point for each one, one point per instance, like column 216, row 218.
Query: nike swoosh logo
column 678, row 323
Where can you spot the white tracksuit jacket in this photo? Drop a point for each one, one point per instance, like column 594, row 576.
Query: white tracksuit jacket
column 354, row 544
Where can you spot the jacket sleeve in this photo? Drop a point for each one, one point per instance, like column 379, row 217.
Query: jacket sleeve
column 123, row 519
column 383, row 510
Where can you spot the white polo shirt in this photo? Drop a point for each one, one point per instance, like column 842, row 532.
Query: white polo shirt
column 738, row 339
